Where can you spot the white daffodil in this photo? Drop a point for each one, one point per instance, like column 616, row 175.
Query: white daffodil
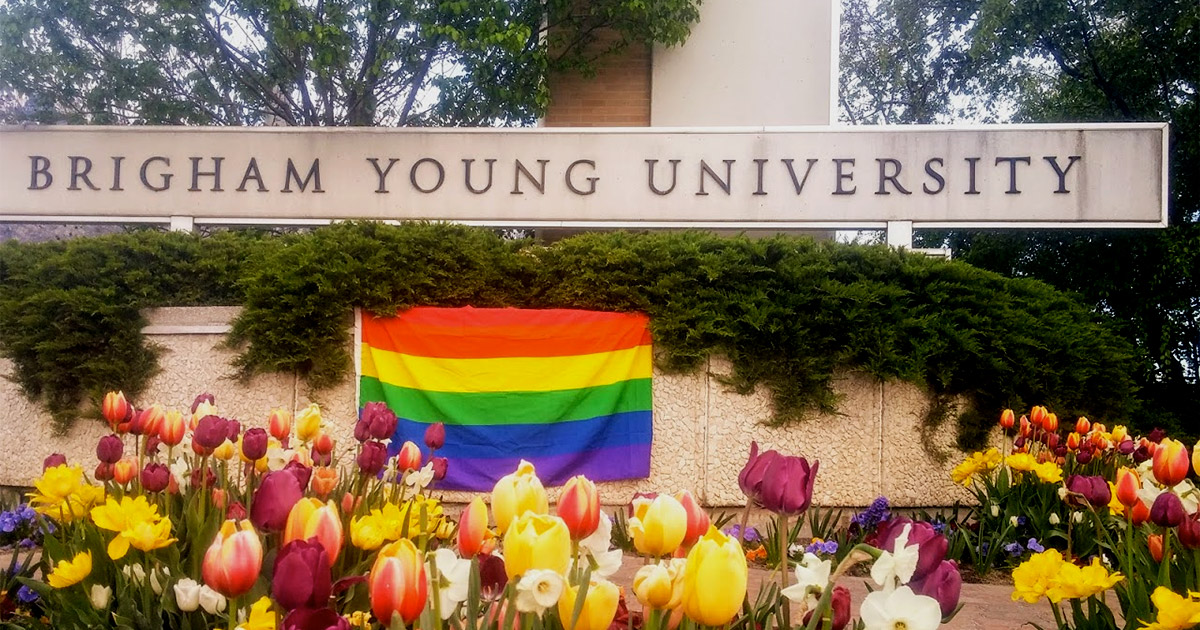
column 1054, row 519
column 1076, row 517
column 601, row 539
column 211, row 601
column 812, row 576
column 995, row 510
column 157, row 584
column 278, row 457
column 896, row 567
column 419, row 479
column 454, row 579
column 900, row 608
column 135, row 573
column 538, row 590
column 1062, row 493
column 181, row 471
column 607, row 563
column 187, row 594
column 100, row 596
column 1188, row 495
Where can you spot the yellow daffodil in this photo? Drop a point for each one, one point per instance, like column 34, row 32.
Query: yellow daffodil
column 1175, row 612
column 71, row 572
column 118, row 515
column 261, row 616
column 1114, row 504
column 1036, row 576
column 137, row 523
column 1021, row 461
column 1075, row 582
column 1049, row 472
column 975, row 463
column 360, row 620
column 62, row 494
column 366, row 533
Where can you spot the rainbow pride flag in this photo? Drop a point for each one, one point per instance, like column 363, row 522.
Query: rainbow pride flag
column 568, row 390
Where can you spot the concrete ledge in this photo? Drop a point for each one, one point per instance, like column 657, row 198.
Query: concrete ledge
column 190, row 320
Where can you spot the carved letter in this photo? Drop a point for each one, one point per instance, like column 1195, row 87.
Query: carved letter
column 117, row 173
column 937, row 177
column 539, row 183
column 412, row 174
column 1012, row 172
column 78, row 173
column 314, row 175
column 758, row 165
column 467, row 168
column 166, row 177
column 382, row 173
column 971, row 189
column 885, row 177
column 590, row 180
column 841, row 177
column 650, row 177
column 215, row 174
column 39, row 166
column 723, row 183
column 798, row 184
column 252, row 173
column 1062, row 172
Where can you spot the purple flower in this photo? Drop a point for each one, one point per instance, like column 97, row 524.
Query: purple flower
column 870, row 518
column 1034, row 546
column 8, row 522
column 828, row 547
column 27, row 595
column 1014, row 549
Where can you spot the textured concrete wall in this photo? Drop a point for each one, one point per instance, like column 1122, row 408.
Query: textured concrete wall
column 874, row 446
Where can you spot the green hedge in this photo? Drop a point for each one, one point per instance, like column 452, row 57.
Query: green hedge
column 787, row 312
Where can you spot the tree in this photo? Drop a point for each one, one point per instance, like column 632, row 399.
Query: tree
column 309, row 62
column 1060, row 61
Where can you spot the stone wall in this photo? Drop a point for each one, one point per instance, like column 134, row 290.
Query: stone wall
column 874, row 446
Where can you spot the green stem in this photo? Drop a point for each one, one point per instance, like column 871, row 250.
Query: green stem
column 233, row 608
column 1164, row 569
column 1058, row 618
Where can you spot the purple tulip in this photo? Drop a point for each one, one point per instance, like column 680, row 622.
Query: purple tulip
column 235, row 512
column 1156, row 435
column 203, row 398
column 787, row 485
column 274, row 499
column 155, row 477
column 750, row 480
column 232, row 429
column 55, row 459
column 110, row 449
column 319, row 458
column 1126, row 447
column 492, row 575
column 301, row 472
column 440, row 464
column 211, row 432
column 931, row 546
column 1167, row 510
column 203, row 477
column 151, row 445
column 314, row 619
column 254, row 444
column 435, row 436
column 302, row 576
column 1189, row 532
column 1094, row 489
column 1083, row 456
column 1141, row 454
column 839, row 603
column 362, row 430
column 372, row 457
column 943, row 584
column 377, row 420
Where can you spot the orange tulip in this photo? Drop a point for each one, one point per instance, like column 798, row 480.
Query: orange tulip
column 323, row 443
column 125, row 470
column 1026, row 427
column 116, row 409
column 1155, row 543
column 280, row 424
column 397, row 583
column 1073, row 440
column 149, row 420
column 1037, row 416
column 310, row 518
column 1050, row 422
column 233, row 561
column 324, row 480
column 1128, row 485
column 172, row 428
column 1082, row 425
column 409, row 457
column 1099, row 427
column 472, row 528
column 1007, row 419
column 697, row 519
column 1139, row 513
column 1171, row 462
column 579, row 507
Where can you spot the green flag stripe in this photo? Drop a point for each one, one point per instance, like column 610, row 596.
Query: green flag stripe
column 491, row 408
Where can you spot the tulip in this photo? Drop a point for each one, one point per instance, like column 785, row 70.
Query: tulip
column 211, row 432
column 656, row 587
column 172, row 429
column 218, row 498
column 472, row 528
column 125, row 470
column 839, row 603
column 1128, row 484
column 205, row 399
column 1007, row 419
column 319, row 458
column 314, row 619
column 787, row 485
column 54, row 459
column 1196, row 458
column 1094, row 489
column 187, row 594
column 1154, row 542
column 116, row 409
column 931, row 546
column 1189, row 532
column 697, row 518
column 104, row 472
column 1167, row 510
column 714, row 579
column 110, row 449
column 148, row 421
column 302, row 576
column 1125, row 447
column 155, row 477
column 397, row 583
column 598, row 610
column 375, row 420
column 1026, row 427
column 1171, row 462
column 362, row 430
column 409, row 457
column 1142, row 453
column 516, row 493
column 274, row 499
column 235, row 512
column 1119, row 433
column 1082, row 425
column 308, row 423
column 944, row 584
column 440, row 466
column 279, row 424
column 371, row 458
column 1037, row 416
column 1050, row 422
column 659, row 526
column 225, row 451
column 537, row 541
column 233, row 561
column 324, row 480
column 579, row 507
column 750, row 480
column 254, row 445
column 435, row 436
column 1084, row 456
column 1156, row 435
column 1139, row 513
column 310, row 519
column 1051, row 440
column 323, row 444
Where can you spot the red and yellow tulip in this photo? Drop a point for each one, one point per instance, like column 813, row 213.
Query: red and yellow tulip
column 397, row 583
column 234, row 560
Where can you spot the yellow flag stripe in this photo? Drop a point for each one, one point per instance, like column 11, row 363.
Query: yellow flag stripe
column 508, row 374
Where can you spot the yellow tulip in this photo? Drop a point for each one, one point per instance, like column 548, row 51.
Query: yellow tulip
column 366, row 533
column 308, row 423
column 225, row 451
column 537, row 541
column 599, row 606
column 714, row 579
column 659, row 526
column 70, row 572
column 660, row 586
column 516, row 493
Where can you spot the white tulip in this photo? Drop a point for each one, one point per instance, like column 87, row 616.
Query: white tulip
column 211, row 601
column 100, row 597
column 1054, row 520
column 187, row 594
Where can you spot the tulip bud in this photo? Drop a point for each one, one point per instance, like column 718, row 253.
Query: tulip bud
column 516, row 493
column 1196, row 458
column 440, row 467
column 203, row 399
column 308, row 423
column 110, row 449
column 1156, row 435
column 659, row 526
column 302, row 577
column 173, row 428
column 1171, row 462
column 155, row 477
column 279, row 424
column 54, row 459
column 1094, row 489
column 397, row 584
column 1141, row 454
column 1007, row 419
column 225, row 451
column 435, row 436
column 211, row 432
column 104, row 472
column 598, row 610
column 472, row 528
column 254, row 444
column 371, row 458
column 149, row 421
column 235, row 512
column 1128, row 484
column 1050, row 422
column 1189, row 532
column 1154, row 542
column 1082, row 425
column 116, row 409
column 579, row 507
column 233, row 561
column 697, row 519
column 1125, row 447
column 1083, row 456
column 323, row 443
column 1052, row 440
column 537, row 541
column 787, row 485
column 218, row 498
column 125, row 470
column 1037, row 416
column 310, row 518
column 274, row 499
column 654, row 587
column 1167, row 510
column 708, row 601
column 839, row 604
column 324, row 480
column 1140, row 513
column 1019, row 443
column 350, row 502
column 409, row 457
